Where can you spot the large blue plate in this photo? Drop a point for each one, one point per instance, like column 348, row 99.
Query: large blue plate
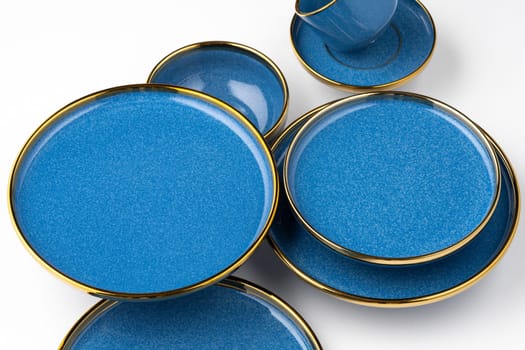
column 143, row 191
column 231, row 315
column 387, row 286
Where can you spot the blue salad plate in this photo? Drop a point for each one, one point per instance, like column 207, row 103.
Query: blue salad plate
column 399, row 54
column 234, row 73
column 234, row 314
column 143, row 191
column 392, row 286
column 392, row 178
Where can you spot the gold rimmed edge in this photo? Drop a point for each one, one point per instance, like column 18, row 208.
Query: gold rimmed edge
column 409, row 302
column 232, row 282
column 281, row 120
column 314, row 12
column 385, row 260
column 143, row 87
column 358, row 88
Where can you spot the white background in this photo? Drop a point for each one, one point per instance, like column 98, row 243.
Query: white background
column 52, row 52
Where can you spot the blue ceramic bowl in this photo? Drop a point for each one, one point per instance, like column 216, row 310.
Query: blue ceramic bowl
column 387, row 286
column 143, row 191
column 236, row 74
column 230, row 315
column 392, row 178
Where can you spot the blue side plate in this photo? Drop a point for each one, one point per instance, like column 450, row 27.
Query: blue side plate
column 231, row 315
column 398, row 54
column 236, row 74
column 379, row 285
column 392, row 178
column 144, row 191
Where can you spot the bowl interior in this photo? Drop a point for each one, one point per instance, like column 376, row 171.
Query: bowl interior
column 235, row 75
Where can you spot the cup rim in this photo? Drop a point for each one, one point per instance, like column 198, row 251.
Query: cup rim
column 314, row 12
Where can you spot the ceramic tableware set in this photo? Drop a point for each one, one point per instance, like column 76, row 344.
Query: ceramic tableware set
column 150, row 195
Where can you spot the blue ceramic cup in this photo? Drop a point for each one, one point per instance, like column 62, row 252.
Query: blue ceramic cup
column 347, row 25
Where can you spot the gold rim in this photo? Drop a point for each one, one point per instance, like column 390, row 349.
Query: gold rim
column 384, row 260
column 412, row 302
column 358, row 88
column 281, row 120
column 231, row 282
column 311, row 13
column 137, row 87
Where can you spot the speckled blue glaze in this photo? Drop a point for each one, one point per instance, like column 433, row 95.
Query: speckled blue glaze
column 347, row 25
column 398, row 52
column 357, row 280
column 143, row 190
column 232, row 74
column 218, row 317
column 391, row 176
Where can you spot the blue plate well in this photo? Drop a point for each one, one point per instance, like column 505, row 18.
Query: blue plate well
column 392, row 178
column 231, row 315
column 144, row 191
column 234, row 73
column 381, row 285
column 400, row 53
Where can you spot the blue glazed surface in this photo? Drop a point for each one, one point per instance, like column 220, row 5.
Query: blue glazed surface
column 215, row 318
column 233, row 75
column 398, row 52
column 391, row 176
column 143, row 190
column 347, row 25
column 356, row 280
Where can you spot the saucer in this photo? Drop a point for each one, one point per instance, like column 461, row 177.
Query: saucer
column 399, row 54
column 234, row 73
column 387, row 286
column 230, row 315
column 143, row 191
column 391, row 178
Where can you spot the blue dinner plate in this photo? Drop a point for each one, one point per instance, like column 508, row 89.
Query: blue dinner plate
column 234, row 73
column 231, row 315
column 392, row 178
column 143, row 191
column 393, row 286
column 399, row 54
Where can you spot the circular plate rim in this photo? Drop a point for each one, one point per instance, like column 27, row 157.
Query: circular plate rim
column 217, row 276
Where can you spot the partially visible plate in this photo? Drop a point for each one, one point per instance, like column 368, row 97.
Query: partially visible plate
column 399, row 54
column 233, row 314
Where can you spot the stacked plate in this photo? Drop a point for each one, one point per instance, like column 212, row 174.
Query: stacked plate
column 392, row 199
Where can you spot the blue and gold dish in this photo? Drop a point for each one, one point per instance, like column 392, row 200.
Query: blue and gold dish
column 229, row 315
column 347, row 25
column 387, row 286
column 143, row 191
column 236, row 74
column 398, row 54
column 392, row 178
